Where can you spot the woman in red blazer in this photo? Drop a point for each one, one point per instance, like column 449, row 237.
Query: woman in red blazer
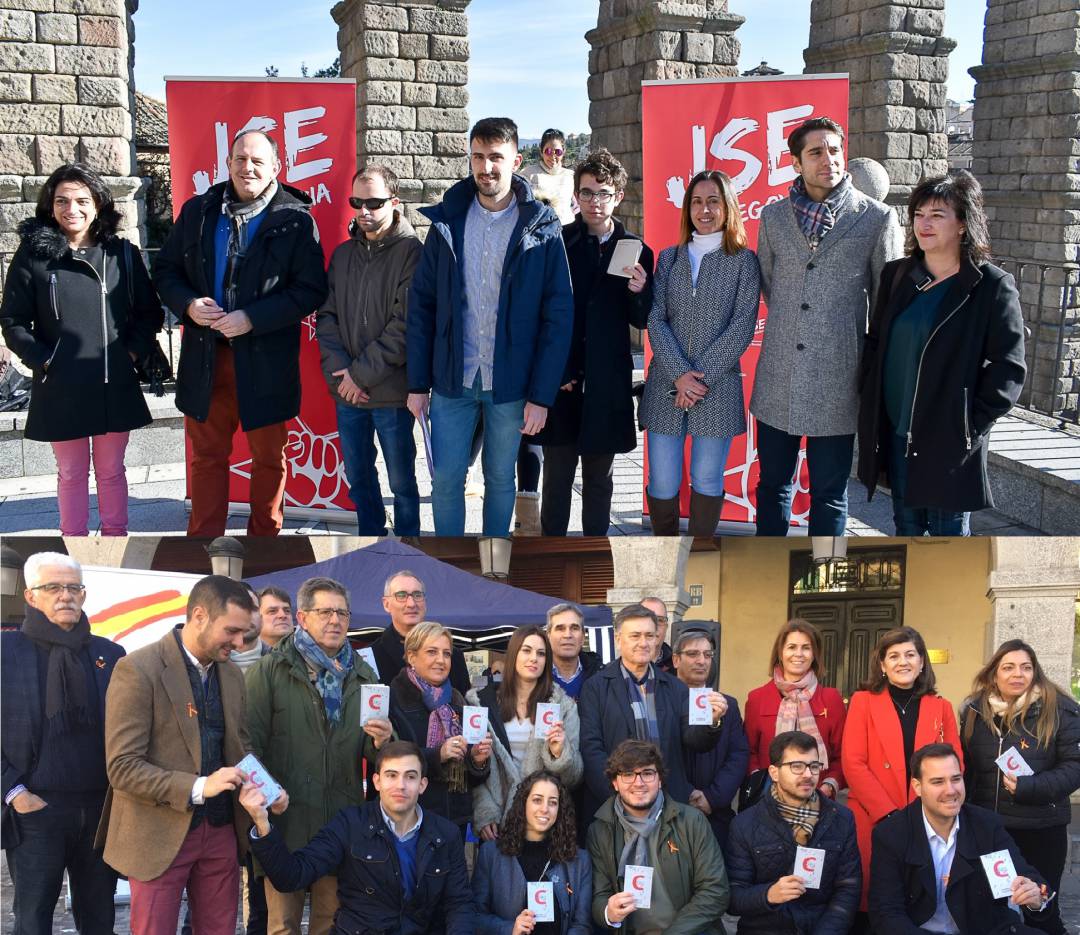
column 793, row 699
column 897, row 712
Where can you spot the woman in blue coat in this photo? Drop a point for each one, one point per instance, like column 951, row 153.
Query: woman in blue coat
column 537, row 842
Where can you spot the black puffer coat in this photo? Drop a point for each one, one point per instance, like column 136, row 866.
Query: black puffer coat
column 1042, row 800
column 56, row 312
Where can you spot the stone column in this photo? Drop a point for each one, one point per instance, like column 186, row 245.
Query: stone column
column 1033, row 587
column 65, row 94
column 113, row 551
column 898, row 61
column 650, row 567
column 646, row 40
column 1026, row 154
column 410, row 58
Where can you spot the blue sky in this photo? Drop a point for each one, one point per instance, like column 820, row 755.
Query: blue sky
column 528, row 61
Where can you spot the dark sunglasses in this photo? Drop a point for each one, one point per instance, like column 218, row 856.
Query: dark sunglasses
column 553, row 151
column 372, row 204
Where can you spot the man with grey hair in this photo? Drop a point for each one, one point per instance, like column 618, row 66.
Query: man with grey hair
column 571, row 664
column 405, row 600
column 304, row 719
column 663, row 649
column 52, row 740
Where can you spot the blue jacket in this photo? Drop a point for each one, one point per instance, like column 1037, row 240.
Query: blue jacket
column 536, row 304
column 720, row 771
column 761, row 849
column 499, row 892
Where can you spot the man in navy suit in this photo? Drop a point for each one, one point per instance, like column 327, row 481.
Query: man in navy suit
column 54, row 675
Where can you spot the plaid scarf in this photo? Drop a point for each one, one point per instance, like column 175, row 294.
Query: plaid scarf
column 802, row 818
column 330, row 673
column 239, row 214
column 642, row 693
column 444, row 722
column 817, row 218
column 795, row 713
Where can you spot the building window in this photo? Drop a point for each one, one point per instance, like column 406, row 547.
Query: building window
column 876, row 572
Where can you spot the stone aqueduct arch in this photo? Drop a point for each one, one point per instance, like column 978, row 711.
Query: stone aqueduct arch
column 66, row 86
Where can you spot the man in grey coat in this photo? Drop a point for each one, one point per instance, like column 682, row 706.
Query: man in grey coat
column 821, row 252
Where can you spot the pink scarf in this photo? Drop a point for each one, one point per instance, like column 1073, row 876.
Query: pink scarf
column 794, row 712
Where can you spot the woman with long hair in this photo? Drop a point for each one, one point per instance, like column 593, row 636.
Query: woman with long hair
column 897, row 711
column 521, row 743
column 705, row 305
column 80, row 311
column 552, row 181
column 795, row 699
column 1014, row 708
column 537, row 843
column 944, row 359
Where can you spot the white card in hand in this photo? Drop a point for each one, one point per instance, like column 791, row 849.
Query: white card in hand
column 474, row 722
column 547, row 716
column 1000, row 872
column 627, row 253
column 541, row 900
column 374, row 702
column 1012, row 762
column 809, row 863
column 639, row 885
column 258, row 776
column 700, row 709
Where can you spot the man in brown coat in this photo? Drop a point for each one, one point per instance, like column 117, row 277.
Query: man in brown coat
column 174, row 732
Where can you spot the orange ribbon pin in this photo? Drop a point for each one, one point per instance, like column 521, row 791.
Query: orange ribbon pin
column 192, row 711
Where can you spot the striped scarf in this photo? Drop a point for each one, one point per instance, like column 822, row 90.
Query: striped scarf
column 802, row 818
column 642, row 693
column 795, row 712
column 817, row 218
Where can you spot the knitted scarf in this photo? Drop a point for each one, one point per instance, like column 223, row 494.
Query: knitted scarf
column 330, row 673
column 817, row 218
column 66, row 695
column 802, row 818
column 239, row 213
column 637, row 832
column 444, row 722
column 794, row 712
column 642, row 693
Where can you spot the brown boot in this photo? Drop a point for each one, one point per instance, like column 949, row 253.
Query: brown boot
column 704, row 514
column 663, row 515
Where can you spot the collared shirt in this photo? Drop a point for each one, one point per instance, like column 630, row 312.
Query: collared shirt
column 942, row 852
column 412, row 832
column 487, row 236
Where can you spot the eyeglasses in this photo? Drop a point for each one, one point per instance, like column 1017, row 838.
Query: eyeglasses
column 645, row 775
column 553, row 151
column 601, row 197
column 698, row 654
column 372, row 204
column 402, row 596
column 325, row 613
column 52, row 588
column 798, row 767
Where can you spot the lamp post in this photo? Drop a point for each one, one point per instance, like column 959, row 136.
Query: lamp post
column 827, row 549
column 227, row 557
column 495, row 558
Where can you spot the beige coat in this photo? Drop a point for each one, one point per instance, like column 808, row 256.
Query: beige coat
column 153, row 757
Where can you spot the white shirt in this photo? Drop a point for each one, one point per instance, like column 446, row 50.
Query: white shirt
column 519, row 733
column 942, row 852
column 699, row 245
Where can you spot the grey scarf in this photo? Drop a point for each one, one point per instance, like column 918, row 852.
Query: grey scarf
column 239, row 213
column 637, row 832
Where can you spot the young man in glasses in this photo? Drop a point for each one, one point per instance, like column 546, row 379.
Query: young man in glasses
column 361, row 331
column 304, row 719
column 593, row 416
column 641, row 826
column 715, row 774
column 775, row 887
column 52, row 731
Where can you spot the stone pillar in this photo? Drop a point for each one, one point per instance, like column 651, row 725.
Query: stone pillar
column 898, row 61
column 646, row 40
column 65, row 94
column 1033, row 587
column 410, row 58
column 1026, row 154
column 650, row 568
column 113, row 551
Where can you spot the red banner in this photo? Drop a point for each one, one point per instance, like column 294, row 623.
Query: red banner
column 314, row 124
column 739, row 126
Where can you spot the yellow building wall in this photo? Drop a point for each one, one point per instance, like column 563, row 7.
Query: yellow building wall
column 745, row 586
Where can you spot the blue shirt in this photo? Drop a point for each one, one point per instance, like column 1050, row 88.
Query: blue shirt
column 942, row 852
column 406, row 847
column 247, row 230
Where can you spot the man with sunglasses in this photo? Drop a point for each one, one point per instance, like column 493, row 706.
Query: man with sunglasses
column 361, row 331
column 769, row 874
column 405, row 600
column 641, row 826
column 304, row 719
column 52, row 738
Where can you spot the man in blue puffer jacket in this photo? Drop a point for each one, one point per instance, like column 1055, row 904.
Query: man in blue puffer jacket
column 766, row 892
column 490, row 319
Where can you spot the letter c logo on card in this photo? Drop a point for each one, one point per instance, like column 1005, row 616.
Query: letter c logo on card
column 475, row 720
column 808, row 863
column 637, row 882
column 548, row 718
column 998, row 871
column 541, row 897
column 1011, row 763
column 373, row 702
column 702, row 700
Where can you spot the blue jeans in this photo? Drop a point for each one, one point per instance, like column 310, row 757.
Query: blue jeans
column 708, row 458
column 356, row 431
column 453, row 421
column 828, row 458
column 912, row 521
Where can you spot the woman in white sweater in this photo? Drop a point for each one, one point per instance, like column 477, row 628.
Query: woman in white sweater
column 517, row 750
column 550, row 179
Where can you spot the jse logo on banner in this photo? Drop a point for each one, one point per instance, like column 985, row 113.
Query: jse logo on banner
column 314, row 124
column 741, row 127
